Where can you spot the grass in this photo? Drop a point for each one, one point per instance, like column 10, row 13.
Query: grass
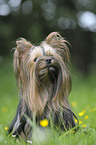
column 82, row 99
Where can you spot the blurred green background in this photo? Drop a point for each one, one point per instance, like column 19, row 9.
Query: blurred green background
column 34, row 20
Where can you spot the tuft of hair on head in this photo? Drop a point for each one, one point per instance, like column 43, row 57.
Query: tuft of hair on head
column 56, row 41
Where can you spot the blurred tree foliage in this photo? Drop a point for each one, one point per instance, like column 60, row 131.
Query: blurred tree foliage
column 35, row 19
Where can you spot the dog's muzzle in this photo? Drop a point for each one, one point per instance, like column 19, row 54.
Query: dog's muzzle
column 49, row 68
column 52, row 70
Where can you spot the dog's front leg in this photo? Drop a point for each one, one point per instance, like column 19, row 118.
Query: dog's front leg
column 18, row 124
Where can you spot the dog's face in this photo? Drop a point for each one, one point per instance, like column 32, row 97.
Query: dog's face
column 42, row 71
column 46, row 65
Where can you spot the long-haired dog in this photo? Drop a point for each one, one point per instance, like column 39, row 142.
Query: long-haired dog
column 44, row 82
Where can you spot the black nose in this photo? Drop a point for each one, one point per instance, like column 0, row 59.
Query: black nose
column 48, row 61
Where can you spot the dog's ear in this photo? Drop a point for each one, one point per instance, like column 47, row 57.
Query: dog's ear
column 56, row 41
column 23, row 45
column 21, row 54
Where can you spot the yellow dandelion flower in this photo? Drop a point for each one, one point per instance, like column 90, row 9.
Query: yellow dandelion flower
column 6, row 128
column 72, row 131
column 80, row 122
column 84, row 125
column 86, row 117
column 44, row 123
column 74, row 104
column 76, row 120
column 81, row 113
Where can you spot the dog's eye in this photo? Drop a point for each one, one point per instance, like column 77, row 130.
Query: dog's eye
column 35, row 59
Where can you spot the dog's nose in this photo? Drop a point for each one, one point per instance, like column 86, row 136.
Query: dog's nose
column 48, row 61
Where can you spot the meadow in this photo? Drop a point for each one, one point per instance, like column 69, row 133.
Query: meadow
column 82, row 99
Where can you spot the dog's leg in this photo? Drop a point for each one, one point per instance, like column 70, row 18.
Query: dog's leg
column 18, row 124
column 68, row 117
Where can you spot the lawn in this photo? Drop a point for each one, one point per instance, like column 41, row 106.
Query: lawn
column 82, row 99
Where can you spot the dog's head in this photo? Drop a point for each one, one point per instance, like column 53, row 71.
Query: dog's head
column 42, row 72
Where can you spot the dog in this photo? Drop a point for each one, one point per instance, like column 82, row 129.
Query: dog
column 44, row 82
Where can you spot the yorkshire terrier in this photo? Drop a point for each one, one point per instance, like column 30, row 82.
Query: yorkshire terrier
column 44, row 82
